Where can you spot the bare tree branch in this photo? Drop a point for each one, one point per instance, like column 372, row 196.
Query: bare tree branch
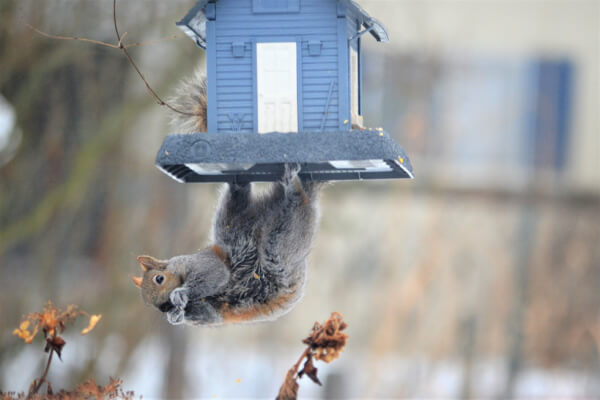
column 58, row 37
column 146, row 42
column 99, row 42
column 121, row 46
column 156, row 97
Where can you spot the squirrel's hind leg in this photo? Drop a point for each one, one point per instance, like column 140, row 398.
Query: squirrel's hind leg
column 293, row 185
column 290, row 227
column 232, row 211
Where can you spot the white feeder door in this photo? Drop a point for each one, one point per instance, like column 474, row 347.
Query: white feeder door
column 277, row 87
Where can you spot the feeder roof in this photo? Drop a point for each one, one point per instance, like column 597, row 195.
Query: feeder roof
column 194, row 22
column 376, row 28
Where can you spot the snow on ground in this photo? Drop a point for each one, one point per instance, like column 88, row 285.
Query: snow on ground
column 247, row 373
column 7, row 122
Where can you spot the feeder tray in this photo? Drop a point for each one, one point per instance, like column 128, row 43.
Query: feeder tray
column 251, row 157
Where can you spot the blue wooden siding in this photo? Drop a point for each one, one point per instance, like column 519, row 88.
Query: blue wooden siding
column 211, row 70
column 318, row 75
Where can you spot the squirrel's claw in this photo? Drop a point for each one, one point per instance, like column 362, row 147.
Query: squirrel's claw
column 290, row 171
column 179, row 298
column 175, row 316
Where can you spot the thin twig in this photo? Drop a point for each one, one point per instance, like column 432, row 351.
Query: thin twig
column 121, row 40
column 99, row 42
column 43, row 378
column 156, row 97
column 165, row 39
column 58, row 37
column 115, row 21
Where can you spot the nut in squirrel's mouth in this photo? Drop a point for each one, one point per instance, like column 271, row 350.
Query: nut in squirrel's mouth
column 166, row 307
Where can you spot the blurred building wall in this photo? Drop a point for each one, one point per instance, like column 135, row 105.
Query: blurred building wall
column 511, row 30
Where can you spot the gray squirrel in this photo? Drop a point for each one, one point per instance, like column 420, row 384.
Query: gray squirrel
column 255, row 268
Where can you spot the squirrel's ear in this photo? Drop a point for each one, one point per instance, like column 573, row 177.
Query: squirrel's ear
column 148, row 262
column 137, row 280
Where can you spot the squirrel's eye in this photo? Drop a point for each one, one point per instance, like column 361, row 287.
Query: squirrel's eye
column 159, row 279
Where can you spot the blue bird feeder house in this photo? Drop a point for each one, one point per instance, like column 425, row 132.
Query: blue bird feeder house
column 284, row 86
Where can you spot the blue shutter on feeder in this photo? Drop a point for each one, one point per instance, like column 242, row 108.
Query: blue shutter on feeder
column 239, row 48
column 283, row 80
column 314, row 47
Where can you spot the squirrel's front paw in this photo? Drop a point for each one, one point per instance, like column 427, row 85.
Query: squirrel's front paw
column 176, row 316
column 290, row 172
column 179, row 298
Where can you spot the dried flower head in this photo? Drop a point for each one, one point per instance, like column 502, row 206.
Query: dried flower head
column 24, row 333
column 52, row 321
column 328, row 340
column 93, row 321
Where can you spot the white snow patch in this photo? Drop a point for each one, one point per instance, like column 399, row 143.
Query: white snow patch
column 7, row 122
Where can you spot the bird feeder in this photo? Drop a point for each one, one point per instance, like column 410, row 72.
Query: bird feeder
column 284, row 84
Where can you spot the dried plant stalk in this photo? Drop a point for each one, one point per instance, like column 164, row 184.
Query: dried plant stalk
column 325, row 343
column 52, row 321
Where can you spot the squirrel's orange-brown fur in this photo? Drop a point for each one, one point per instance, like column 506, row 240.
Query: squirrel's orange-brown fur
column 254, row 312
column 158, row 295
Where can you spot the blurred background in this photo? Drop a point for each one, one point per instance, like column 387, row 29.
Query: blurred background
column 480, row 278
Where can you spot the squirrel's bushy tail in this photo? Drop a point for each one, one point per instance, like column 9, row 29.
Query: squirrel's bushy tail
column 190, row 97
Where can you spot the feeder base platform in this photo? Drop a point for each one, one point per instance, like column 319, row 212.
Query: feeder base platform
column 253, row 157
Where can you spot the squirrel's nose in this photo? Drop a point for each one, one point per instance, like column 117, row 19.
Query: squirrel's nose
column 166, row 307
column 137, row 280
